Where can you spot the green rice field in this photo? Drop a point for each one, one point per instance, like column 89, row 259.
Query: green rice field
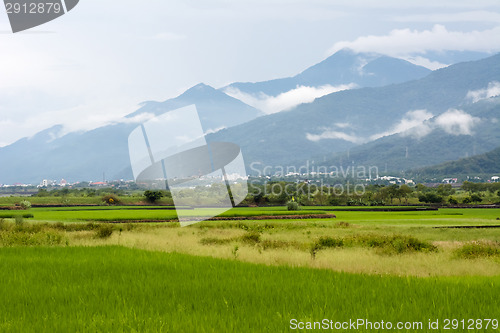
column 114, row 289
column 64, row 270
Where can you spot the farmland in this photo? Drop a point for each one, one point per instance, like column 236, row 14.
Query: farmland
column 251, row 275
column 104, row 289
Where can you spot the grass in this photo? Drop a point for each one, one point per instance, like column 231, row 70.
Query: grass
column 104, row 289
column 273, row 243
column 61, row 274
column 362, row 240
column 74, row 200
column 124, row 213
column 442, row 217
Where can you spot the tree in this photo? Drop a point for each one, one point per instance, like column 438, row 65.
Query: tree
column 421, row 187
column 42, row 193
column 476, row 198
column 473, row 187
column 403, row 192
column 431, row 197
column 472, row 198
column 153, row 196
column 390, row 192
column 445, row 190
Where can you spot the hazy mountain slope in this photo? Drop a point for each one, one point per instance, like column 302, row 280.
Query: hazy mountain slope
column 216, row 109
column 487, row 163
column 86, row 156
column 399, row 152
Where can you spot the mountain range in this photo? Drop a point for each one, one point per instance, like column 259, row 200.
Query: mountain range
column 343, row 67
column 457, row 133
column 365, row 123
column 400, row 116
column 103, row 152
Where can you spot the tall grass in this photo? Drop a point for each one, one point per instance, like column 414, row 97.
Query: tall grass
column 21, row 233
column 475, row 250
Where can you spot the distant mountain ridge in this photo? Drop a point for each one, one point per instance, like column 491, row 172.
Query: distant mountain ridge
column 217, row 111
column 343, row 67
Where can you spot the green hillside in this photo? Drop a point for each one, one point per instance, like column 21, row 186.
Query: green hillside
column 483, row 164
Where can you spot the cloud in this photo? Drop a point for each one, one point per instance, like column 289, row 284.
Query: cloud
column 412, row 124
column 407, row 42
column 329, row 134
column 492, row 90
column 469, row 16
column 342, row 125
column 140, row 118
column 83, row 117
column 214, row 130
column 415, row 123
column 424, row 62
column 456, row 122
column 287, row 100
column 167, row 36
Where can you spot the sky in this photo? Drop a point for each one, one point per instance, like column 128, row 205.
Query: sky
column 98, row 62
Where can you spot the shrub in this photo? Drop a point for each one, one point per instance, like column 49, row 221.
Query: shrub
column 430, row 198
column 476, row 198
column 235, row 251
column 12, row 216
column 153, row 196
column 452, row 201
column 251, row 238
column 215, row 241
column 476, row 250
column 402, row 244
column 315, row 247
column 335, row 201
column 393, row 244
column 343, row 224
column 292, row 205
column 111, row 199
column 276, row 244
column 19, row 220
column 104, row 231
column 325, row 242
column 25, row 204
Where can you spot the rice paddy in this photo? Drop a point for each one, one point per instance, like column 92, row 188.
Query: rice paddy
column 65, row 269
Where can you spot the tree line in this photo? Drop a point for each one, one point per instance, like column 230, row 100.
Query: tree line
column 306, row 194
